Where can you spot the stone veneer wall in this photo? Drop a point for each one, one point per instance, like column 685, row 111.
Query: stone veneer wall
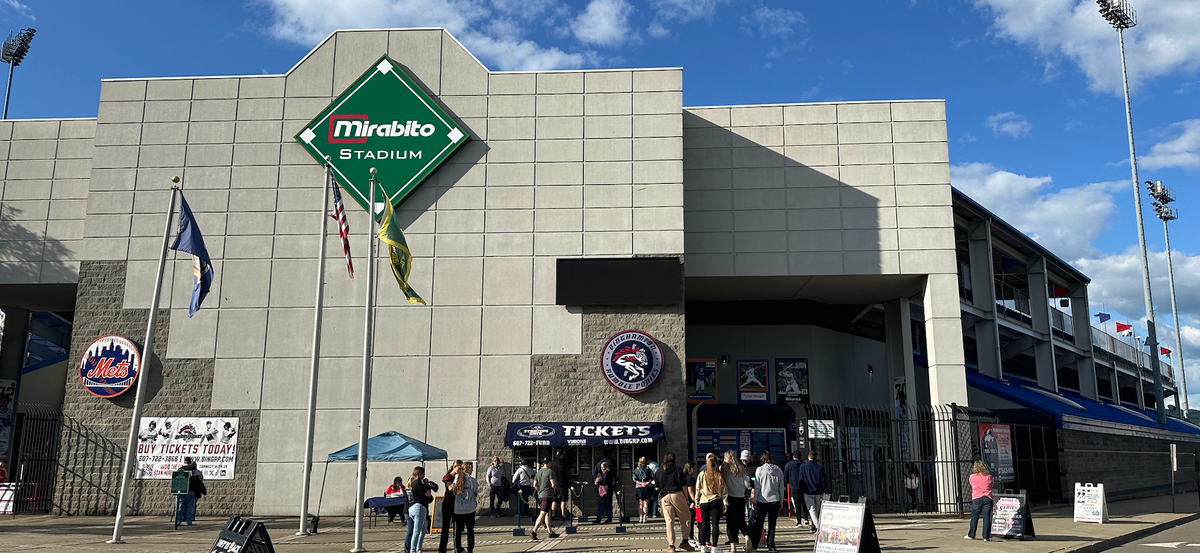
column 96, row 430
column 571, row 388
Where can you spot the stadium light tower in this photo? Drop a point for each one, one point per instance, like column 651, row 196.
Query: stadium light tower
column 1162, row 197
column 1121, row 16
column 13, row 54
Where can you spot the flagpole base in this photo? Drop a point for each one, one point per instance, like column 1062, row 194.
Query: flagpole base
column 303, row 533
column 358, row 550
column 116, row 542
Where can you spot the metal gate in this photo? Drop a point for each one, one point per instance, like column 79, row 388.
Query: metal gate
column 919, row 458
column 39, row 429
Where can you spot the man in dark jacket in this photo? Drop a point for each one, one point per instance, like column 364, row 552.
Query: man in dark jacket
column 791, row 477
column 812, row 476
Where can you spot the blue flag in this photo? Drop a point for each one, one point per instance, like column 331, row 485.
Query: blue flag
column 1103, row 316
column 190, row 241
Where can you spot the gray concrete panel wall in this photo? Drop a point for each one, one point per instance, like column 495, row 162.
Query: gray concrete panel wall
column 561, row 164
column 44, row 169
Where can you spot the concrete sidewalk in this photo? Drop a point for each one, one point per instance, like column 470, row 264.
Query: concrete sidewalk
column 1055, row 532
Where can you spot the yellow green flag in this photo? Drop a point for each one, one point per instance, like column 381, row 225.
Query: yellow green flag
column 398, row 254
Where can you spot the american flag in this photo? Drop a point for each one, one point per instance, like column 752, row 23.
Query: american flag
column 339, row 215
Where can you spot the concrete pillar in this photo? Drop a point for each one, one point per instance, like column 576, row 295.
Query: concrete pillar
column 1081, row 320
column 987, row 332
column 897, row 315
column 16, row 337
column 1039, row 307
column 944, row 340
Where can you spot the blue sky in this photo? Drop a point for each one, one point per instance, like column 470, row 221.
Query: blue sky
column 1035, row 114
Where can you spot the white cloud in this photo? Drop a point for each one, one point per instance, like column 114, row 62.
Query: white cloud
column 1183, row 150
column 21, row 9
column 1013, row 125
column 687, row 10
column 777, row 22
column 1063, row 221
column 603, row 23
column 1164, row 42
column 494, row 39
column 967, row 137
column 657, row 30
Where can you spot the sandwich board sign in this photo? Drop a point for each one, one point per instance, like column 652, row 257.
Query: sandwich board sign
column 846, row 528
column 1090, row 504
column 1011, row 517
column 387, row 121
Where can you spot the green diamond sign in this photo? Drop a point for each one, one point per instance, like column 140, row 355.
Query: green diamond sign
column 383, row 120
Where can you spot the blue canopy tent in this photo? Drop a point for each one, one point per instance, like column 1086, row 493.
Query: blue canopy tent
column 388, row 446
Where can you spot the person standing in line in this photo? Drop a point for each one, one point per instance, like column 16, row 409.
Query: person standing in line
column 196, row 490
column 711, row 495
column 737, row 484
column 791, row 476
column 448, row 504
column 605, row 481
column 768, row 491
column 643, row 481
column 671, row 483
column 395, row 490
column 751, row 465
column 496, row 480
column 466, row 497
column 523, row 482
column 812, row 478
column 562, row 477
column 545, row 485
column 689, row 473
column 981, row 500
column 420, row 495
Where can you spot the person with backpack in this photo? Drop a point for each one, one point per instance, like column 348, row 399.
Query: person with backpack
column 711, row 497
column 605, row 481
column 196, row 490
column 420, row 497
column 643, row 480
column 498, row 482
column 738, row 484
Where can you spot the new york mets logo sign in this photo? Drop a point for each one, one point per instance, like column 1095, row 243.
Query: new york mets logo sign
column 110, row 366
column 632, row 361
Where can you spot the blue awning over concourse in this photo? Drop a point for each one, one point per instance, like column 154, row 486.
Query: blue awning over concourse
column 1073, row 411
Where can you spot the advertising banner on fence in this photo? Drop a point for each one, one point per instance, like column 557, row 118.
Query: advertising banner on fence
column 752, row 381
column 8, row 396
column 702, row 380
column 1090, row 505
column 757, row 440
column 996, row 442
column 791, row 380
column 163, row 442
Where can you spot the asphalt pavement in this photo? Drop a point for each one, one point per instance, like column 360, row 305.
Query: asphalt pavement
column 1183, row 537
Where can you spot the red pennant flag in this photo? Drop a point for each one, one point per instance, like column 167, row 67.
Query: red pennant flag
column 1164, row 351
column 1124, row 329
column 1057, row 291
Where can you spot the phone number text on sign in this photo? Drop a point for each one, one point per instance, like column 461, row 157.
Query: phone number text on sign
column 163, row 442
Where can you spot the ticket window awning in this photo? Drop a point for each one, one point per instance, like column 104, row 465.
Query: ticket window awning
column 566, row 434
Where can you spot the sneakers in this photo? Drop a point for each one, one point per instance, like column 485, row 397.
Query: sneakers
column 553, row 535
column 968, row 537
column 533, row 535
column 799, row 524
column 687, row 546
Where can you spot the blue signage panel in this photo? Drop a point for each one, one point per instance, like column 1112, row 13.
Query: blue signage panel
column 562, row 434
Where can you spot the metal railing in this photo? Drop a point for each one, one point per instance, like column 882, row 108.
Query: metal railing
column 1013, row 303
column 1062, row 325
column 1129, row 353
column 36, row 464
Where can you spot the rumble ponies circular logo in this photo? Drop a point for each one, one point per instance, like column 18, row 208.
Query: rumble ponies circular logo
column 632, row 361
column 110, row 365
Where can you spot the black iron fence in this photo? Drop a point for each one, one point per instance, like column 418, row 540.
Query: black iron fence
column 919, row 459
column 35, row 462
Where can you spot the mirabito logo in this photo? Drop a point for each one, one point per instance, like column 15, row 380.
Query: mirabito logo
column 383, row 120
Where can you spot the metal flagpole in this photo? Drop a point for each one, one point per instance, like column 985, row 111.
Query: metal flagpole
column 1180, row 377
column 316, row 356
column 143, row 374
column 1151, row 330
column 364, row 416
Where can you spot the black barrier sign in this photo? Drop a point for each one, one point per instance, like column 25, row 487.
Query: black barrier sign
column 846, row 528
column 242, row 535
column 1010, row 516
